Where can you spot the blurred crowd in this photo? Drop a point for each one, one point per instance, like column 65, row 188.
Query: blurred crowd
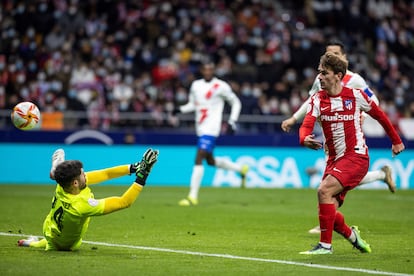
column 108, row 58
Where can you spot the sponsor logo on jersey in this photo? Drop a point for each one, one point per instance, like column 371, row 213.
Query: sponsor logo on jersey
column 337, row 117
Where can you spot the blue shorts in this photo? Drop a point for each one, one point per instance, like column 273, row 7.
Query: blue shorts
column 206, row 143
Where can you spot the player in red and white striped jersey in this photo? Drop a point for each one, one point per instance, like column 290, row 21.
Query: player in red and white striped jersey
column 207, row 98
column 352, row 80
column 339, row 109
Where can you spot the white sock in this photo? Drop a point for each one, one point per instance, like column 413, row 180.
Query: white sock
column 372, row 176
column 352, row 238
column 326, row 245
column 197, row 175
column 226, row 164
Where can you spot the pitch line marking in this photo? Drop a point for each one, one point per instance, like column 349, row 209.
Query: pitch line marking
column 228, row 256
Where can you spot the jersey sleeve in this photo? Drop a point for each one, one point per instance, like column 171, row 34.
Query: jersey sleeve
column 90, row 207
column 370, row 107
column 300, row 113
column 316, row 86
column 310, row 118
column 112, row 204
column 97, row 176
column 231, row 98
column 190, row 105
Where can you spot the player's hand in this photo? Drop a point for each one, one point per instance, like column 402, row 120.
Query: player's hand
column 312, row 143
column 144, row 167
column 288, row 123
column 397, row 149
column 149, row 158
column 232, row 127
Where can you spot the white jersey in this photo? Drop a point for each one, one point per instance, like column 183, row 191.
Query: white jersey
column 351, row 80
column 207, row 100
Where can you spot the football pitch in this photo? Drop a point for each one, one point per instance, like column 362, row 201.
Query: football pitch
column 231, row 232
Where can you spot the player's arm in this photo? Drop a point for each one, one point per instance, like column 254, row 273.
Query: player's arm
column 306, row 138
column 113, row 204
column 301, row 112
column 378, row 114
column 143, row 169
column 97, row 176
column 231, row 98
column 190, row 105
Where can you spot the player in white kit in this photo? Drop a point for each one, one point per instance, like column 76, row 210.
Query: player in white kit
column 207, row 98
column 351, row 80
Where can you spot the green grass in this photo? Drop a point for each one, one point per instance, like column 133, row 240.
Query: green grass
column 255, row 223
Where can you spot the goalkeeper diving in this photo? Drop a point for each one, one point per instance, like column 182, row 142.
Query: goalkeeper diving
column 74, row 204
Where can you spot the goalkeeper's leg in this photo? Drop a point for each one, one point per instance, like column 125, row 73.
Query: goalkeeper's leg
column 32, row 242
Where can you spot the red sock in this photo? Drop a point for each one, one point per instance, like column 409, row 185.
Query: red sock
column 340, row 226
column 326, row 221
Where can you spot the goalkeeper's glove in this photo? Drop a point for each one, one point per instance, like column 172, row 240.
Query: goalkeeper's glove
column 143, row 168
column 232, row 127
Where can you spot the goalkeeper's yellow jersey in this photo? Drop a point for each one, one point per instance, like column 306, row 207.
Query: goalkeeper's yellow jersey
column 68, row 220
column 69, row 217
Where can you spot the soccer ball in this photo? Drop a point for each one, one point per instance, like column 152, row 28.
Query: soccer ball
column 25, row 116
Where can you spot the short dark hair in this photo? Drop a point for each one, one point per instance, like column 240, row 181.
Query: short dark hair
column 334, row 62
column 67, row 171
column 336, row 42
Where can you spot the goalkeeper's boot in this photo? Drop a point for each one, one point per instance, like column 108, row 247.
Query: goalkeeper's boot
column 315, row 230
column 189, row 201
column 57, row 158
column 243, row 174
column 359, row 243
column 27, row 242
column 318, row 250
column 388, row 178
column 143, row 168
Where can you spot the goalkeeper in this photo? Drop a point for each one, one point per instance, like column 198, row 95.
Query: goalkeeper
column 73, row 203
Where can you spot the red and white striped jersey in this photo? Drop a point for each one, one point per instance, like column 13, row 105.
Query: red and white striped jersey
column 207, row 99
column 351, row 80
column 340, row 119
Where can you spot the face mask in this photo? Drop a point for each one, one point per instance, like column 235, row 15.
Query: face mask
column 61, row 106
column 43, row 7
column 291, row 77
column 32, row 66
column 228, row 40
column 242, row 59
column 31, row 33
column 123, row 106
column 197, row 29
column 72, row 94
column 257, row 92
column 21, row 78
column 246, row 91
column 24, row 92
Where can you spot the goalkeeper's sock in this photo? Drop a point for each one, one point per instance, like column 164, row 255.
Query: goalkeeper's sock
column 226, row 164
column 39, row 244
column 197, row 175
